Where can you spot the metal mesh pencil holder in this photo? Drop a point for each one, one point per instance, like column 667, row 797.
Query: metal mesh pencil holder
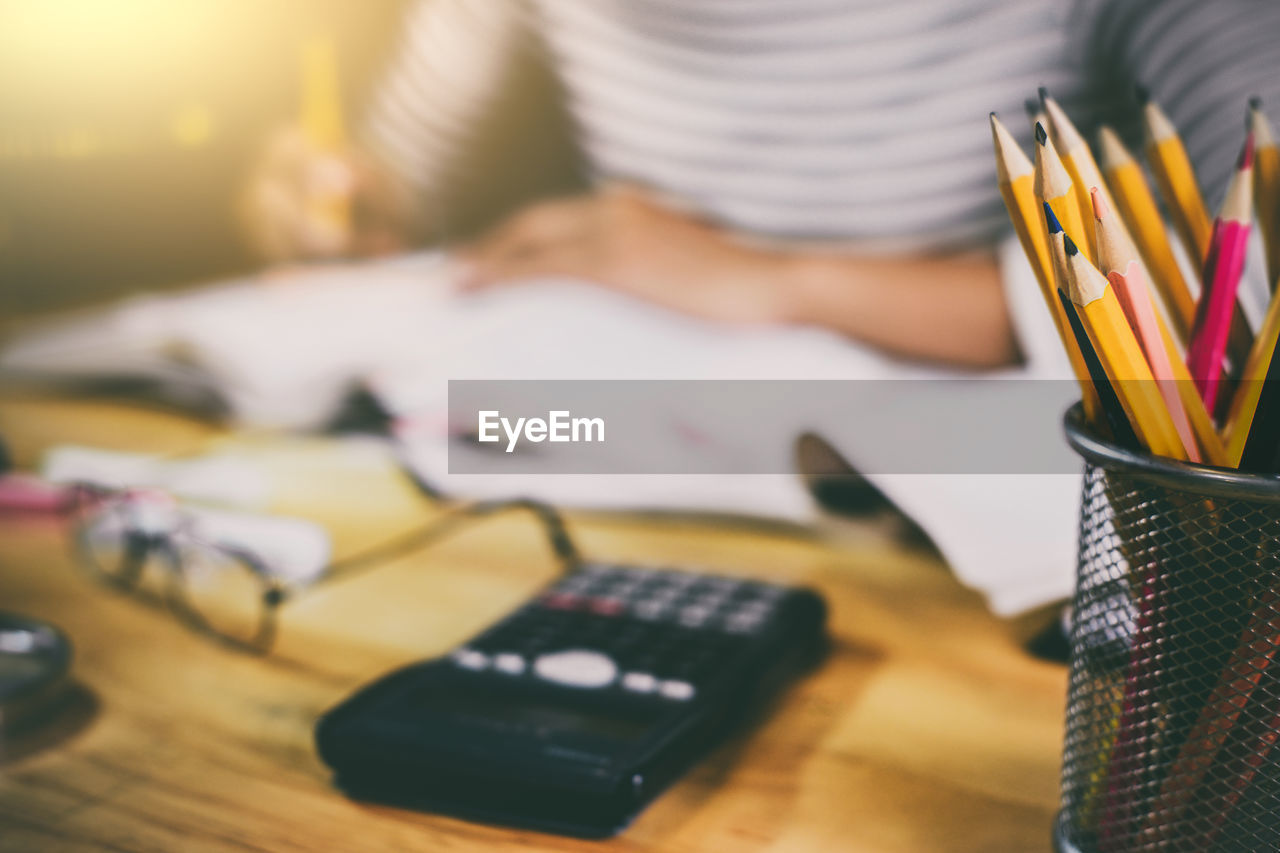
column 1173, row 706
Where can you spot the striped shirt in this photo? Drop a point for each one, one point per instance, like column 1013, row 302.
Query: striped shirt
column 856, row 121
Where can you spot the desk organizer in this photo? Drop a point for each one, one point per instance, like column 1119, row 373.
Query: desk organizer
column 1173, row 706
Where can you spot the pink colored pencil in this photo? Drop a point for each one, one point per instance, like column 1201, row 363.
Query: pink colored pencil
column 1118, row 258
column 1222, row 271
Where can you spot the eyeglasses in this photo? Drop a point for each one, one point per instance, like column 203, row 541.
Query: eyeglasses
column 148, row 544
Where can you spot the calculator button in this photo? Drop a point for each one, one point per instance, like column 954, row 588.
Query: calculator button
column 744, row 623
column 561, row 601
column 695, row 616
column 651, row 610
column 607, row 606
column 511, row 664
column 639, row 682
column 576, row 668
column 711, row 600
column 679, row 690
column 471, row 659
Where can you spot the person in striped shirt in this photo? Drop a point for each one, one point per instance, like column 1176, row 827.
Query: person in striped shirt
column 821, row 162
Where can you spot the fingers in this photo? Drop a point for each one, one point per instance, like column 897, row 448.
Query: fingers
column 297, row 202
column 532, row 229
column 569, row 259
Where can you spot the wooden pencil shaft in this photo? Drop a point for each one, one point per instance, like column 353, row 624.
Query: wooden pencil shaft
column 1121, row 357
column 1138, row 208
column 1016, row 179
column 1266, row 180
column 1177, row 182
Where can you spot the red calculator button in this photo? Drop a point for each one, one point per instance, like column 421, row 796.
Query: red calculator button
column 606, row 606
column 561, row 601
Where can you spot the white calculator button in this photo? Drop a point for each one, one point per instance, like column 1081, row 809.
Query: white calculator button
column 743, row 623
column 511, row 664
column 695, row 616
column 650, row 610
column 471, row 659
column 639, row 682
column 678, row 690
column 576, row 668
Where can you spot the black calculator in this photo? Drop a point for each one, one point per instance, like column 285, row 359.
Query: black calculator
column 576, row 710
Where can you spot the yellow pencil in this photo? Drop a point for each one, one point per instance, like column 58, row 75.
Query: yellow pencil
column 1266, row 187
column 321, row 97
column 1245, row 403
column 1054, row 187
column 1016, row 175
column 1121, row 356
column 1177, row 182
column 1138, row 207
column 1076, row 157
column 322, row 124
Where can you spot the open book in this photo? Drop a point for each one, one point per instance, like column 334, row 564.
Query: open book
column 286, row 350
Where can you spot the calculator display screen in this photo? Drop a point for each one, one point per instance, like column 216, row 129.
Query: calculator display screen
column 540, row 716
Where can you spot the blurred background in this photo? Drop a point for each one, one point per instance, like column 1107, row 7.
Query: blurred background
column 127, row 129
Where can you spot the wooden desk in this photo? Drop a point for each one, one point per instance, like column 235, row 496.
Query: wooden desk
column 926, row 730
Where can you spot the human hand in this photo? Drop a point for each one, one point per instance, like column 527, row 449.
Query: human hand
column 628, row 241
column 302, row 202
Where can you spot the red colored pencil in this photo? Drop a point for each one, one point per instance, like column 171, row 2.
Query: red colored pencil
column 1204, row 746
column 1223, row 267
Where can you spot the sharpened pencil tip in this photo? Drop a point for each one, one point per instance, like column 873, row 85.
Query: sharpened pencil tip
column 1072, row 251
column 992, row 115
column 1246, row 155
column 1255, row 102
column 1041, row 136
column 1055, row 227
column 1100, row 210
column 1142, row 93
column 1032, row 106
column 1043, row 93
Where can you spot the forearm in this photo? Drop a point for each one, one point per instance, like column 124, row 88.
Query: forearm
column 947, row 310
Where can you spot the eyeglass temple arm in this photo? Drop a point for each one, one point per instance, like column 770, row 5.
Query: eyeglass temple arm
column 553, row 524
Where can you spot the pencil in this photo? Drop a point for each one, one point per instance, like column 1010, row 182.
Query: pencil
column 1262, row 445
column 1173, row 172
column 322, row 123
column 1121, row 356
column 1114, row 418
column 1015, row 177
column 1223, row 266
column 1054, row 187
column 321, row 101
column 1118, row 260
column 1176, row 180
column 1138, row 208
column 1266, row 187
column 1075, row 154
column 1249, row 393
column 1204, row 746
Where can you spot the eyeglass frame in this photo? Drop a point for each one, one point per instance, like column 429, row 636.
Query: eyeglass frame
column 274, row 593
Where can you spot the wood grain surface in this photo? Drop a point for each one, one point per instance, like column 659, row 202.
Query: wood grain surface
column 927, row 729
